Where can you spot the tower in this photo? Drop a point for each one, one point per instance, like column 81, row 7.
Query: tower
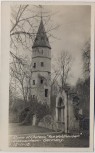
column 41, row 66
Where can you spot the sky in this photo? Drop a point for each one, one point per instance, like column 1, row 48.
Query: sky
column 74, row 31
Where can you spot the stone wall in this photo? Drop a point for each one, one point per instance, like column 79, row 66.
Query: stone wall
column 39, row 89
column 41, row 54
column 48, row 122
column 67, row 123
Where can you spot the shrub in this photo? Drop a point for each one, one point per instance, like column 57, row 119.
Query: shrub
column 35, row 108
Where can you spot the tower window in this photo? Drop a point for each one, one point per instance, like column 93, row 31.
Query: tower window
column 33, row 82
column 42, row 64
column 41, row 81
column 34, row 65
column 46, row 92
column 42, row 51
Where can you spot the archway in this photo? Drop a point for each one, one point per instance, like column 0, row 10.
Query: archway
column 60, row 107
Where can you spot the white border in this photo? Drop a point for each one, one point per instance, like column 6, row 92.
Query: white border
column 5, row 77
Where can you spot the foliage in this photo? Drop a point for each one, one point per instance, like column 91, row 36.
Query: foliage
column 23, row 114
column 39, row 109
column 83, row 85
column 76, row 107
column 16, row 106
column 86, row 60
column 33, row 108
column 24, row 25
column 83, row 90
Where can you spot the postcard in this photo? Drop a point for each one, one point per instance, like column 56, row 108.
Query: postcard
column 47, row 76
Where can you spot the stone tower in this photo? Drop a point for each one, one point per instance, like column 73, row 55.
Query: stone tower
column 41, row 66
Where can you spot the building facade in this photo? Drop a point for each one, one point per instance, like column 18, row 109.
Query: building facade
column 41, row 66
column 65, row 114
column 41, row 85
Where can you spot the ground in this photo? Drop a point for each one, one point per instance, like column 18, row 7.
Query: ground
column 33, row 136
column 15, row 128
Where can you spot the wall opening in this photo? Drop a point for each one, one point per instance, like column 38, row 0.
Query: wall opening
column 33, row 82
column 41, row 81
column 42, row 64
column 60, row 110
column 34, row 66
column 46, row 92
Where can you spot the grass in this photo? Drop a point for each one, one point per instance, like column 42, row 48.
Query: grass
column 16, row 129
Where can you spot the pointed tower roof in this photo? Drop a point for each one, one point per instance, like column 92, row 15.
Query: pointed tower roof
column 41, row 39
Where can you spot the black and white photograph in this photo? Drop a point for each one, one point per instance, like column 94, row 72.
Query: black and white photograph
column 49, row 76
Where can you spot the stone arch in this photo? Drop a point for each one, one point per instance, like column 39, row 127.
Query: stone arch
column 60, row 109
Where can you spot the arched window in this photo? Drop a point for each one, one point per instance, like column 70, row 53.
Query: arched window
column 46, row 92
column 60, row 108
column 60, row 102
column 33, row 82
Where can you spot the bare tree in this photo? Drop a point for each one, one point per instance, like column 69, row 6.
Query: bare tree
column 54, row 78
column 61, row 71
column 24, row 26
column 21, row 37
column 64, row 67
column 21, row 72
column 86, row 60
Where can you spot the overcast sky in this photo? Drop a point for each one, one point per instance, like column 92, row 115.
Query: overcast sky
column 73, row 33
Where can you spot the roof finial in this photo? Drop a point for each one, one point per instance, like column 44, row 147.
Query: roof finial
column 41, row 11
